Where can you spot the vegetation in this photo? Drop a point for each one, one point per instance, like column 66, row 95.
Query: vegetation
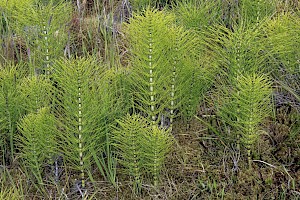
column 165, row 99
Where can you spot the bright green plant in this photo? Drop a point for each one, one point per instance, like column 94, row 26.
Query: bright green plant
column 198, row 15
column 254, row 11
column 43, row 27
column 250, row 11
column 127, row 139
column 245, row 106
column 11, row 108
column 283, row 40
column 142, row 148
column 115, row 103
column 155, row 145
column 239, row 51
column 35, row 92
column 139, row 5
column 164, row 72
column 37, row 142
column 149, row 38
column 83, row 100
column 189, row 75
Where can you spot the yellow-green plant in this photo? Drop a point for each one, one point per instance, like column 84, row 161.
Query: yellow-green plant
column 164, row 66
column 155, row 144
column 127, row 139
column 42, row 26
column 11, row 108
column 198, row 15
column 150, row 43
column 189, row 77
column 142, row 148
column 256, row 10
column 83, row 102
column 245, row 106
column 35, row 92
column 283, row 35
column 239, row 51
column 37, row 142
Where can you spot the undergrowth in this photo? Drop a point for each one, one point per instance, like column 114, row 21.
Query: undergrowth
column 177, row 99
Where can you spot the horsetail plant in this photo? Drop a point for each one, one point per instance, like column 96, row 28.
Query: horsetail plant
column 11, row 108
column 149, row 38
column 43, row 27
column 36, row 92
column 246, row 106
column 80, row 92
column 184, row 68
column 127, row 138
column 156, row 144
column 239, row 52
column 142, row 148
column 38, row 143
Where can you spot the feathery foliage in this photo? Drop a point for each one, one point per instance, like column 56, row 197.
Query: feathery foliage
column 142, row 148
column 239, row 51
column 11, row 108
column 43, row 27
column 127, row 139
column 38, row 144
column 155, row 145
column 254, row 11
column 36, row 92
column 246, row 106
column 82, row 95
column 149, row 38
column 198, row 15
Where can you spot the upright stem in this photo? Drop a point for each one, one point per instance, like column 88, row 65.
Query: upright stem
column 249, row 158
column 47, row 58
column 173, row 86
column 80, row 133
column 151, row 81
column 11, row 131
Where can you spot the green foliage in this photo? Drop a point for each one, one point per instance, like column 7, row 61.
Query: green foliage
column 245, row 106
column 149, row 38
column 155, row 145
column 127, row 139
column 84, row 105
column 253, row 11
column 283, row 40
column 142, row 148
column 60, row 115
column 195, row 71
column 43, row 27
column 37, row 141
column 36, row 92
column 198, row 15
column 250, row 11
column 166, row 75
column 139, row 5
column 11, row 108
column 239, row 51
